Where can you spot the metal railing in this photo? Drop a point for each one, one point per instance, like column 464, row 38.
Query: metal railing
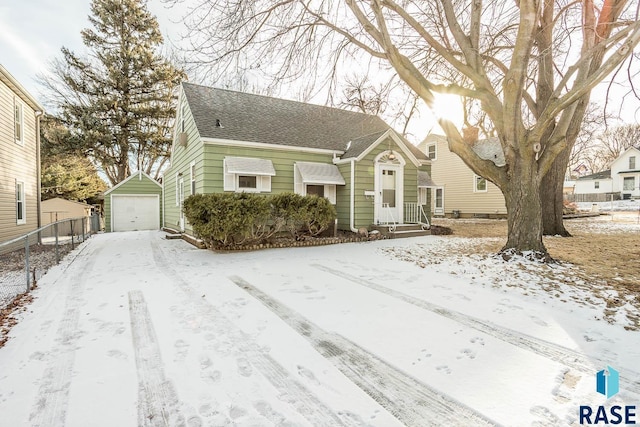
column 25, row 259
column 415, row 214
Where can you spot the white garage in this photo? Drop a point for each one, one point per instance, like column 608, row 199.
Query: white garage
column 135, row 212
column 133, row 204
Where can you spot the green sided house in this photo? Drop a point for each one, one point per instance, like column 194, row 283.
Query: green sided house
column 228, row 141
column 133, row 204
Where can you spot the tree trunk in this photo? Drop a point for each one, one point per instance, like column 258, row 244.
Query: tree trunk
column 552, row 197
column 524, row 211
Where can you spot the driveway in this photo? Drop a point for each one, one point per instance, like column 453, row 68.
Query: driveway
column 133, row 329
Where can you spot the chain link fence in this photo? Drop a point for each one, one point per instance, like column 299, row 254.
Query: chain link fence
column 25, row 259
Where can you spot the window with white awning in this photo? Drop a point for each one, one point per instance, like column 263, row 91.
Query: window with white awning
column 317, row 178
column 247, row 174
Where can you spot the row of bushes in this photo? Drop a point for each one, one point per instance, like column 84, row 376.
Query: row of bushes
column 232, row 219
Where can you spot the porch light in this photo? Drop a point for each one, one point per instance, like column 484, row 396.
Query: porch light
column 391, row 155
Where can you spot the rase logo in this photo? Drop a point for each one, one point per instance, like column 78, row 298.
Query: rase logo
column 608, row 384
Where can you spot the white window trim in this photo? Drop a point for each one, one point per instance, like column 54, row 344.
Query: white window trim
column 475, row 184
column 24, row 203
column 631, row 179
column 192, row 182
column 435, row 151
column 177, row 194
column 20, row 107
column 634, row 162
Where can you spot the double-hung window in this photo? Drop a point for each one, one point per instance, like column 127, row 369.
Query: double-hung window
column 431, row 152
column 21, row 208
column 19, row 123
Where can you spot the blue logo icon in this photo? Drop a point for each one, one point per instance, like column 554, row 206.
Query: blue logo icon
column 608, row 382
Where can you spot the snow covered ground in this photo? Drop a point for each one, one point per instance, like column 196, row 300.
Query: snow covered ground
column 133, row 329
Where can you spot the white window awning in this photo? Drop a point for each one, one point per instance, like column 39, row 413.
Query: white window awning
column 249, row 166
column 320, row 173
column 425, row 181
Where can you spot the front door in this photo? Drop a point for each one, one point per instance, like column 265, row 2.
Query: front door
column 181, row 200
column 389, row 197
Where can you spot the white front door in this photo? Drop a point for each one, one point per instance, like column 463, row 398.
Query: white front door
column 180, row 201
column 389, row 194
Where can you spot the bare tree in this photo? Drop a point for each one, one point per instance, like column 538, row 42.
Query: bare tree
column 390, row 99
column 530, row 65
column 609, row 145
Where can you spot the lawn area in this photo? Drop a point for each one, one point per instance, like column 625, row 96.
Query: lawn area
column 605, row 249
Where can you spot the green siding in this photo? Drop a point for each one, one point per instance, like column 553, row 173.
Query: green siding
column 137, row 184
column 181, row 159
column 282, row 160
column 365, row 180
column 208, row 158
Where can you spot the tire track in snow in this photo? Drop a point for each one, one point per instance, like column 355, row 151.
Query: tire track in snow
column 50, row 409
column 245, row 349
column 557, row 353
column 158, row 403
column 409, row 400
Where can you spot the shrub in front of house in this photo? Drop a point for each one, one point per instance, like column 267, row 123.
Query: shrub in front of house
column 228, row 219
column 236, row 219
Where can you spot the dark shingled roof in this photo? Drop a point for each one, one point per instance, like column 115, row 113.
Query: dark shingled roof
column 257, row 118
column 598, row 175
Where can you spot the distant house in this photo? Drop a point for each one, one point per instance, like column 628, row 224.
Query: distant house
column 625, row 173
column 19, row 159
column 228, row 141
column 622, row 180
column 58, row 209
column 460, row 192
column 596, row 183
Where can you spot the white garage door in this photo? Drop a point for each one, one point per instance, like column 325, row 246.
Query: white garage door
column 139, row 212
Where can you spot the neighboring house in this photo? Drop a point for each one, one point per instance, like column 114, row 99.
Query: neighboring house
column 625, row 173
column 462, row 193
column 596, row 183
column 133, row 204
column 58, row 209
column 228, row 141
column 19, row 159
column 621, row 180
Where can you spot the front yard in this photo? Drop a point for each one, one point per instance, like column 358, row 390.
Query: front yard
column 433, row 330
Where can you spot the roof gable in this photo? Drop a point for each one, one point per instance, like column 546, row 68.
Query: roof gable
column 228, row 115
column 139, row 175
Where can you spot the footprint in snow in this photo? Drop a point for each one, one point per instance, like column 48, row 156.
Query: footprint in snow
column 244, row 367
column 468, row 353
column 117, row 354
column 444, row 369
column 307, row 374
column 539, row 321
column 477, row 340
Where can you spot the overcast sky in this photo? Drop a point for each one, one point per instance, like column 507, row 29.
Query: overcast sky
column 33, row 31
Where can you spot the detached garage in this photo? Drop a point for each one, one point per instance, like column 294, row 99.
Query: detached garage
column 134, row 204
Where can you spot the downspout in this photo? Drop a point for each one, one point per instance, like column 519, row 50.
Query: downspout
column 352, row 198
column 38, row 173
column 163, row 201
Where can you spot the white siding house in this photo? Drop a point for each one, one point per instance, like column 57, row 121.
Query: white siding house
column 625, row 173
column 596, row 183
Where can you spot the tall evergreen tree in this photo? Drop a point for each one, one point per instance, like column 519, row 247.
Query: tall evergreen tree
column 66, row 173
column 118, row 101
